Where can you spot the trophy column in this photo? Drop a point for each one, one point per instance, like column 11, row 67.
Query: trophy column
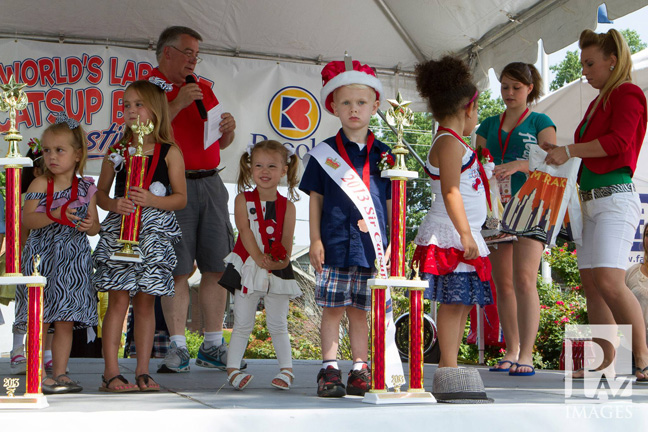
column 378, row 309
column 35, row 332
column 399, row 175
column 12, row 99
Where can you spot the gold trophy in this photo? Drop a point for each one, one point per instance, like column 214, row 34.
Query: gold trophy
column 401, row 115
column 15, row 99
column 130, row 226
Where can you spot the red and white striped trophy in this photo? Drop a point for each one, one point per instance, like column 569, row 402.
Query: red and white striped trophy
column 15, row 99
column 400, row 115
column 135, row 174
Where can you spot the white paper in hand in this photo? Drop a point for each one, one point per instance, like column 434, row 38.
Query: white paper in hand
column 212, row 125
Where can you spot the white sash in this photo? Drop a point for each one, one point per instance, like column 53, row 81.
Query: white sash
column 352, row 185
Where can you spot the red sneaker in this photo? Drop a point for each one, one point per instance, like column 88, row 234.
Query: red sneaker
column 329, row 383
column 359, row 381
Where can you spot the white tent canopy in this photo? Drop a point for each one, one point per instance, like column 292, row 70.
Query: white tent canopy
column 76, row 56
column 391, row 35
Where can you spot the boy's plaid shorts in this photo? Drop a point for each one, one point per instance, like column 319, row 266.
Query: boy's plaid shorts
column 341, row 287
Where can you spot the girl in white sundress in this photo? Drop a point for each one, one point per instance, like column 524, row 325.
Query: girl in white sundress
column 451, row 252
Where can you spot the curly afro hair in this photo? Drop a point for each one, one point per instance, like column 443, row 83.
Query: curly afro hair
column 446, row 84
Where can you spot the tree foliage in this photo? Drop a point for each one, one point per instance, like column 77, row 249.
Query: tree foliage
column 566, row 71
column 488, row 107
column 569, row 69
column 634, row 41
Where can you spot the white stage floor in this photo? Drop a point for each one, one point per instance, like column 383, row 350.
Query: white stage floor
column 203, row 401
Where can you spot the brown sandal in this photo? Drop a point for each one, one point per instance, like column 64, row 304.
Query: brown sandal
column 143, row 383
column 126, row 386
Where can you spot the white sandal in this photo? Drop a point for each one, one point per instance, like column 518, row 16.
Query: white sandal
column 236, row 377
column 286, row 376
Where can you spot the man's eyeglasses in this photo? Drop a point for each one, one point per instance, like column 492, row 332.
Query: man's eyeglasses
column 189, row 56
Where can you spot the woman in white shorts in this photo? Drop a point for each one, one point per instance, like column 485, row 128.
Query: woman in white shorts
column 608, row 140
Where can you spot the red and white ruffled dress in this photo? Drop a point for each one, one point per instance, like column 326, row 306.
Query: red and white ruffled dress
column 242, row 274
column 454, row 280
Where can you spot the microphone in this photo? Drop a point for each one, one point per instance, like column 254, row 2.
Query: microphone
column 199, row 104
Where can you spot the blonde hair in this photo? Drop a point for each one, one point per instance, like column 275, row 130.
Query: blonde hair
column 610, row 43
column 245, row 182
column 357, row 86
column 79, row 142
column 156, row 102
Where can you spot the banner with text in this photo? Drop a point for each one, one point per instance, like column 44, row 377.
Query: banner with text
column 269, row 100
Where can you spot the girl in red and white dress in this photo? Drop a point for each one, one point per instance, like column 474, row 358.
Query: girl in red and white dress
column 259, row 266
column 450, row 251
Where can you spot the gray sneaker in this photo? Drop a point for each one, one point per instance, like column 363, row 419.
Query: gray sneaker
column 176, row 360
column 214, row 357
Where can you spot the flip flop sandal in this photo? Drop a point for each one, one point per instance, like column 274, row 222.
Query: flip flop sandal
column 236, row 378
column 287, row 377
column 143, row 383
column 499, row 369
column 576, row 378
column 519, row 365
column 643, row 371
column 105, row 387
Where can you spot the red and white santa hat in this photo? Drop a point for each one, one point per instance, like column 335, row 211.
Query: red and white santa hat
column 335, row 75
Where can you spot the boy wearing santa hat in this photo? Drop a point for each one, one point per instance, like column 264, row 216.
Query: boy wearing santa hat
column 342, row 250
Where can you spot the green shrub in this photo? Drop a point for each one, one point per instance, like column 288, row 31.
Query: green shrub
column 194, row 339
column 558, row 307
column 564, row 265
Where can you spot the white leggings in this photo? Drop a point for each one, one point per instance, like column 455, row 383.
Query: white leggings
column 276, row 306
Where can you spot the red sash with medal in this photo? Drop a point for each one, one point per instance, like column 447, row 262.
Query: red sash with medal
column 74, row 193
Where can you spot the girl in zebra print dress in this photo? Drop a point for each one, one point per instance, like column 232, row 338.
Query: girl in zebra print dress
column 61, row 212
column 164, row 191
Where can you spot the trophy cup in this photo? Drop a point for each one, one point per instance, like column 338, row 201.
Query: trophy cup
column 401, row 115
column 12, row 99
column 130, row 226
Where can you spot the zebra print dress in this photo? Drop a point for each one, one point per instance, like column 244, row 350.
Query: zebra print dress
column 65, row 262
column 159, row 232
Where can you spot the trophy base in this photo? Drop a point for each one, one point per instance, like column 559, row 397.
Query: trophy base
column 127, row 257
column 28, row 401
column 16, row 161
column 399, row 174
column 398, row 283
column 399, row 398
column 19, row 279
